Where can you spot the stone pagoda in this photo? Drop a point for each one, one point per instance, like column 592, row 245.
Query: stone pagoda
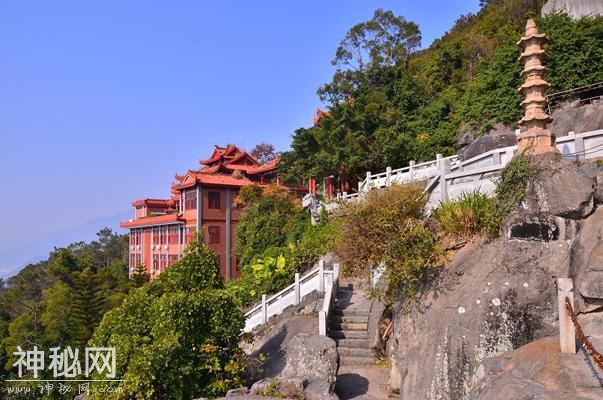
column 534, row 137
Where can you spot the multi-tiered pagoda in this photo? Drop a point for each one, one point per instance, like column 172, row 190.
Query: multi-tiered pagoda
column 534, row 137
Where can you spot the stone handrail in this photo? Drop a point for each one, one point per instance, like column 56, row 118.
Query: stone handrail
column 331, row 287
column 449, row 177
column 291, row 295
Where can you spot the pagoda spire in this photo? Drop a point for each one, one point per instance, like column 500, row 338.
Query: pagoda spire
column 534, row 137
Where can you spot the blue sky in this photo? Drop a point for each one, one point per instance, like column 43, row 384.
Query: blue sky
column 101, row 102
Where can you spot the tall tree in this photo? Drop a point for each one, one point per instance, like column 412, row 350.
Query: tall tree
column 263, row 152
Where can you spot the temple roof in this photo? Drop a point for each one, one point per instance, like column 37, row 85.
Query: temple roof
column 270, row 165
column 155, row 220
column 151, row 203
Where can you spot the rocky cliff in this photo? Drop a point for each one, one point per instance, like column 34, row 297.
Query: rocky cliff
column 495, row 298
column 574, row 8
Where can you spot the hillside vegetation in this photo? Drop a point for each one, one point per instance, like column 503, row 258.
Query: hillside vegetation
column 390, row 103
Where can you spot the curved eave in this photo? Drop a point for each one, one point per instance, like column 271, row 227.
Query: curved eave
column 152, row 221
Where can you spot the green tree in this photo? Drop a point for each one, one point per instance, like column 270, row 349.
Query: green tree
column 270, row 217
column 177, row 338
column 140, row 277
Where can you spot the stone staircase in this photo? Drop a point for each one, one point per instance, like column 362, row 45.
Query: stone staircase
column 348, row 326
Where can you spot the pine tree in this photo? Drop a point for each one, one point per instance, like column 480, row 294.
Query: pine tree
column 140, row 277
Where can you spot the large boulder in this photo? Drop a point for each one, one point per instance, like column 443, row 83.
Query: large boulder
column 537, row 371
column 559, row 189
column 574, row 8
column 586, row 266
column 577, row 119
column 312, row 357
column 492, row 298
column 499, row 136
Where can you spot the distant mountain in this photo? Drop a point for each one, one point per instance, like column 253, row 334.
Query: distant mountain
column 13, row 259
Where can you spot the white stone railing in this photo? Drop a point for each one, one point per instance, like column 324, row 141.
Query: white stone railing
column 448, row 177
column 331, row 287
column 291, row 295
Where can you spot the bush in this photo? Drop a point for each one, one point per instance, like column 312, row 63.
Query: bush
column 271, row 217
column 387, row 229
column 176, row 338
column 511, row 186
column 275, row 239
column 471, row 214
column 275, row 269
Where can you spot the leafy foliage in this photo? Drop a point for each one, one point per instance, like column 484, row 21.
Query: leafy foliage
column 270, row 217
column 263, row 152
column 511, row 186
column 387, row 230
column 389, row 104
column 471, row 214
column 177, row 338
column 60, row 301
column 274, row 241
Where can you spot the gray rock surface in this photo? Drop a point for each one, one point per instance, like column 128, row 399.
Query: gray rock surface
column 374, row 339
column 312, row 357
column 548, row 191
column 575, row 8
column 537, row 371
column 586, row 267
column 319, row 390
column 466, row 138
column 492, row 298
column 495, row 298
column 499, row 136
column 578, row 120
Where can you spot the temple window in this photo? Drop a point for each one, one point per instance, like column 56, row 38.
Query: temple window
column 190, row 199
column 213, row 200
column 213, row 235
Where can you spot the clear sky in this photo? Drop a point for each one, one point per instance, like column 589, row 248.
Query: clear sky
column 101, row 102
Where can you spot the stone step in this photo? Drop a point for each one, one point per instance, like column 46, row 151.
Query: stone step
column 357, row 343
column 348, row 326
column 348, row 319
column 355, row 352
column 345, row 360
column 348, row 334
column 350, row 312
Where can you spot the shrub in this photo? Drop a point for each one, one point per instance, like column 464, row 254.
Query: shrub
column 176, row 338
column 387, row 229
column 266, row 274
column 471, row 214
column 271, row 217
column 511, row 186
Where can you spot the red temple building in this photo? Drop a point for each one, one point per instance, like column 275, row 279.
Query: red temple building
column 201, row 201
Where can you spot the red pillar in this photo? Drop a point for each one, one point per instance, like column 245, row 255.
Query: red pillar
column 330, row 189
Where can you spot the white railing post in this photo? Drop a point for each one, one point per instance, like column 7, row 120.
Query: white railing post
column 345, row 195
column 411, row 170
column 321, row 275
column 388, row 176
column 444, row 169
column 367, row 181
column 322, row 323
column 578, row 146
column 567, row 332
column 264, row 309
column 297, row 289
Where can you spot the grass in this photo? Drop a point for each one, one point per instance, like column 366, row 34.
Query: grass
column 471, row 214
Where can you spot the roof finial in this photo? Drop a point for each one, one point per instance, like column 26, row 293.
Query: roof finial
column 534, row 137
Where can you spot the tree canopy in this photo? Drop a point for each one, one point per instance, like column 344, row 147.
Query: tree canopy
column 390, row 103
column 176, row 338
